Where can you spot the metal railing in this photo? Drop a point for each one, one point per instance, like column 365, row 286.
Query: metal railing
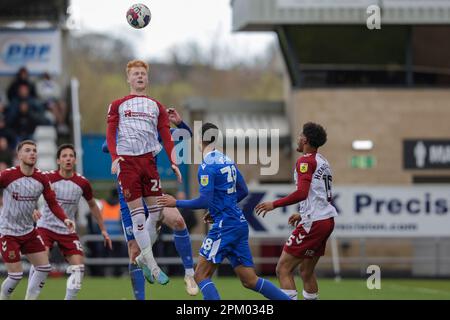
column 161, row 260
column 336, row 263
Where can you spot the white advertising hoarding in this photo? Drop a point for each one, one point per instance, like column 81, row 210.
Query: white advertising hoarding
column 364, row 211
column 38, row 50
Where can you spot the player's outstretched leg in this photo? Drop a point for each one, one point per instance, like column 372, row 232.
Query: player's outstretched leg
column 10, row 283
column 203, row 274
column 251, row 281
column 74, row 281
column 145, row 260
column 152, row 225
column 182, row 240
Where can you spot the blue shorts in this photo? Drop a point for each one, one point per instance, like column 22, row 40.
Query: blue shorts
column 228, row 242
column 127, row 223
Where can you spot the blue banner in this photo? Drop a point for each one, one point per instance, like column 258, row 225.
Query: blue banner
column 97, row 164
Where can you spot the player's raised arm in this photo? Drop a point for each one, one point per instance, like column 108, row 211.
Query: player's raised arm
column 206, row 179
column 304, row 171
column 175, row 118
column 166, row 137
column 164, row 132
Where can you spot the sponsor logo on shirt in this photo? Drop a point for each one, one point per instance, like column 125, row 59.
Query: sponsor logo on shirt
column 135, row 114
column 66, row 201
column 16, row 196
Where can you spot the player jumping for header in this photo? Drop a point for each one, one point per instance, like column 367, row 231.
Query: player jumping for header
column 172, row 218
column 134, row 122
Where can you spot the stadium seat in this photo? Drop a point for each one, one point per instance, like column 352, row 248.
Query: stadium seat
column 45, row 137
column 46, row 163
column 45, row 133
column 46, row 148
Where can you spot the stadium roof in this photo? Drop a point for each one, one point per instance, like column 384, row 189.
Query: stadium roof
column 50, row 11
column 242, row 114
column 264, row 15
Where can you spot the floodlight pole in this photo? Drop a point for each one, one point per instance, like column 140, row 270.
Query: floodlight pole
column 76, row 121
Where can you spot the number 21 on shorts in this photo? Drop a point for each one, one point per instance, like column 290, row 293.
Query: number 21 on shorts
column 156, row 184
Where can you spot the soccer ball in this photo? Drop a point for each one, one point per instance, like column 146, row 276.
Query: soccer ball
column 138, row 16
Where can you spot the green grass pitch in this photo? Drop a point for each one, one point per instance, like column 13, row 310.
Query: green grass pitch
column 230, row 288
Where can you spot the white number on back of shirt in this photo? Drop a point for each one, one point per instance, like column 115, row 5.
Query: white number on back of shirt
column 231, row 177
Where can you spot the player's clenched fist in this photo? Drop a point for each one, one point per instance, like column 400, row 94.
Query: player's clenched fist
column 264, row 208
column 70, row 225
column 36, row 215
column 115, row 165
column 174, row 116
column 294, row 219
column 207, row 218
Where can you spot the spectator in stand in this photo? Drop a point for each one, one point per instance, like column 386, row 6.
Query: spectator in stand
column 49, row 92
column 24, row 122
column 24, row 96
column 22, row 77
column 47, row 88
column 3, row 166
column 2, row 103
column 7, row 133
column 6, row 154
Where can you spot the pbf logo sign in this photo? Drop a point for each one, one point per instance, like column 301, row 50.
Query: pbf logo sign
column 19, row 52
column 38, row 50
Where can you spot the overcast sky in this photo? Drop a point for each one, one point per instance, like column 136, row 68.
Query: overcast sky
column 173, row 23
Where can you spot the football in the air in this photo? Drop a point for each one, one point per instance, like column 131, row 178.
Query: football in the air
column 139, row 15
